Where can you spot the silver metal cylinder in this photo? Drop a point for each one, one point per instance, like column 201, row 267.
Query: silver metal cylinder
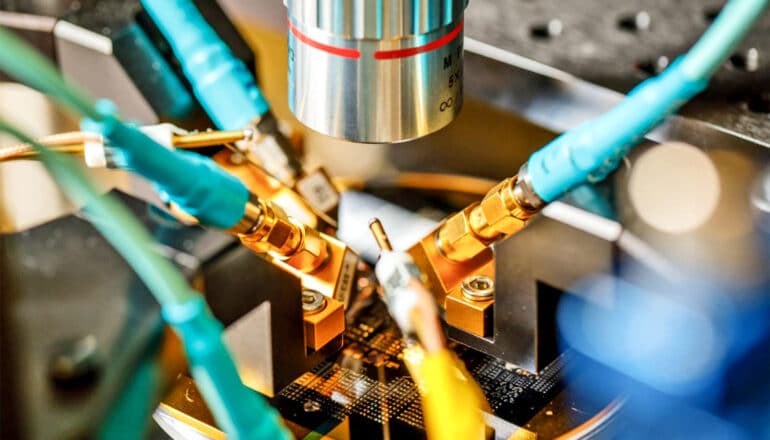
column 375, row 71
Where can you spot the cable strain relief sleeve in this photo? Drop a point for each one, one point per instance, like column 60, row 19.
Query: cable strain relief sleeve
column 215, row 198
column 194, row 182
column 195, row 324
column 221, row 81
column 107, row 122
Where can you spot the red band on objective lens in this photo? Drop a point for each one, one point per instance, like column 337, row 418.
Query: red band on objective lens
column 339, row 51
column 403, row 53
column 380, row 54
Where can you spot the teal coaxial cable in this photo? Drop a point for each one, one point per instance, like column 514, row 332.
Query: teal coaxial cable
column 152, row 74
column 239, row 411
column 223, row 84
column 593, row 149
column 195, row 183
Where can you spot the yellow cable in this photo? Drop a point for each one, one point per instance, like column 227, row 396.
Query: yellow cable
column 451, row 400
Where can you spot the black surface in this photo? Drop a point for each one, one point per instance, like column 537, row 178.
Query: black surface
column 369, row 385
column 51, row 8
column 7, row 411
column 597, row 45
column 62, row 281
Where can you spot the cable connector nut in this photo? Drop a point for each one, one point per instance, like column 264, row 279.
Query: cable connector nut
column 500, row 214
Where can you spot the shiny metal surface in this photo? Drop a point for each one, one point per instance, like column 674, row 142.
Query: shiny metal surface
column 467, row 233
column 524, row 193
column 323, row 326
column 375, row 71
column 470, row 306
column 312, row 301
column 601, row 229
column 558, row 101
column 478, row 287
column 252, row 217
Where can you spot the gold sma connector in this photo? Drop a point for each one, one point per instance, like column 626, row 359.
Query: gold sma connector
column 459, row 249
column 467, row 233
column 322, row 262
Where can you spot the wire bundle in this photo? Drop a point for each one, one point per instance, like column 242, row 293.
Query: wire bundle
column 241, row 412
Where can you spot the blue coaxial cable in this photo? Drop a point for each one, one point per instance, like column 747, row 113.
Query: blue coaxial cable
column 593, row 149
column 223, row 84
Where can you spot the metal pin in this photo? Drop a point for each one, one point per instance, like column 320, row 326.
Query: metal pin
column 209, row 138
column 379, row 235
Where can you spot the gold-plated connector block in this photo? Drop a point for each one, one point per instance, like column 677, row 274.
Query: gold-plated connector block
column 325, row 266
column 441, row 273
column 469, row 307
column 499, row 213
column 324, row 324
column 312, row 253
column 459, row 250
column 460, row 246
column 334, row 277
column 472, row 317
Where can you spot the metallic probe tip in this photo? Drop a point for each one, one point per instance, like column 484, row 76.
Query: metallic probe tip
column 379, row 235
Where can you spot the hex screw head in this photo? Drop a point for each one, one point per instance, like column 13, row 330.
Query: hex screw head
column 75, row 362
column 478, row 288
